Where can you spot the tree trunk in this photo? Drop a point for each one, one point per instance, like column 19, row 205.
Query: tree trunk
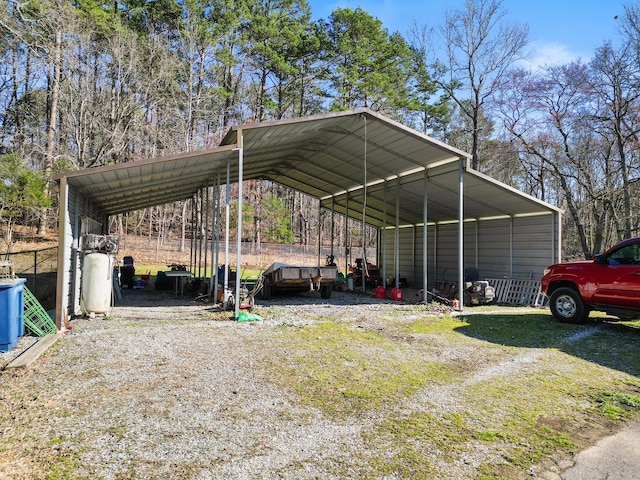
column 52, row 117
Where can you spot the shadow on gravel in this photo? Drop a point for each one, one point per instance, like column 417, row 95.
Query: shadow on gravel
column 608, row 343
column 148, row 295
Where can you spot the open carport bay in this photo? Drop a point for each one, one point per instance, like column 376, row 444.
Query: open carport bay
column 435, row 216
column 351, row 387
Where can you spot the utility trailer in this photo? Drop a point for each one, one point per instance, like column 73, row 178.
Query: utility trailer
column 282, row 278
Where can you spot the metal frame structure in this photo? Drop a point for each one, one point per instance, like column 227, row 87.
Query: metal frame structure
column 406, row 180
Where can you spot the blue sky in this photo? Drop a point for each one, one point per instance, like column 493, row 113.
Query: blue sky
column 561, row 30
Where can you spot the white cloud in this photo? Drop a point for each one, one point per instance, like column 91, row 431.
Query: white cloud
column 548, row 54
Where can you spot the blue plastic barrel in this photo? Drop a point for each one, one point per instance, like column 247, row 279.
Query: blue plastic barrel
column 11, row 312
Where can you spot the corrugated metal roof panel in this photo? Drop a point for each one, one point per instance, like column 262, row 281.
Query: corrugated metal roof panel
column 323, row 156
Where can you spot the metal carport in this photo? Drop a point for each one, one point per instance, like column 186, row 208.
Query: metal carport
column 345, row 159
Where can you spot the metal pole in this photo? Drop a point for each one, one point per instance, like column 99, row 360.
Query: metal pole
column 396, row 247
column 384, row 238
column 346, row 238
column 333, row 204
column 511, row 246
column 365, row 270
column 197, row 234
column 206, row 231
column 226, row 227
column 199, row 248
column 319, row 233
column 425, row 231
column 559, row 246
column 461, row 235
column 64, row 255
column 239, row 232
column 192, row 259
column 35, row 270
column 215, row 241
column 414, row 236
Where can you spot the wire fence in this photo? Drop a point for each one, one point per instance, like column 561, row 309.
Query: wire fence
column 254, row 255
column 39, row 268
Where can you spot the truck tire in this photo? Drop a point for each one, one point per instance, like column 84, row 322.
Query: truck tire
column 567, row 306
column 325, row 291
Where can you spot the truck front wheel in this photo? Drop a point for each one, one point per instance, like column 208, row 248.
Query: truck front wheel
column 567, row 306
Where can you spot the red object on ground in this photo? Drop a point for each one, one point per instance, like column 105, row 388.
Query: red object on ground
column 381, row 292
column 396, row 294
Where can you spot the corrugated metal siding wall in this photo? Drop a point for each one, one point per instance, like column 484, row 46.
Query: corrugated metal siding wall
column 535, row 245
column 489, row 245
column 78, row 207
column 71, row 243
column 68, row 259
column 494, row 257
column 446, row 254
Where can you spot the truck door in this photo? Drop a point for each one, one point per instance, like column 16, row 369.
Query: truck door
column 618, row 281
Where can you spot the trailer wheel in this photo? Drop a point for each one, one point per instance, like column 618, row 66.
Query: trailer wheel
column 325, row 291
column 229, row 303
column 265, row 292
column 466, row 298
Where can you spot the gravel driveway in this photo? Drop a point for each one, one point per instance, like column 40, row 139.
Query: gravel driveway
column 170, row 389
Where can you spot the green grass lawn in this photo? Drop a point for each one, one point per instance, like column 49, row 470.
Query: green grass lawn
column 523, row 384
column 153, row 269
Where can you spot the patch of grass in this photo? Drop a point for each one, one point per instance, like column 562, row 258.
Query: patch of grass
column 216, row 315
column 62, row 468
column 433, row 325
column 344, row 371
column 154, row 268
column 613, row 346
column 62, row 462
column 415, row 438
column 422, row 434
column 517, row 329
column 617, row 405
column 488, row 436
column 406, row 439
column 150, row 268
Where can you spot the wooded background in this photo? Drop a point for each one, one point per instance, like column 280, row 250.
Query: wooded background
column 86, row 83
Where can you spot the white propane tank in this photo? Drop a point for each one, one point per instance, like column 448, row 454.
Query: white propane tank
column 97, row 272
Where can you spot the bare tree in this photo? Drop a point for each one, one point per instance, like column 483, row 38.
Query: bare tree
column 545, row 113
column 616, row 83
column 480, row 47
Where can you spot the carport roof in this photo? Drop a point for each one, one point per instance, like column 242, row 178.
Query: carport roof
column 329, row 157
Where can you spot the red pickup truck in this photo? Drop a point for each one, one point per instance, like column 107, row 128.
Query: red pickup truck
column 610, row 283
